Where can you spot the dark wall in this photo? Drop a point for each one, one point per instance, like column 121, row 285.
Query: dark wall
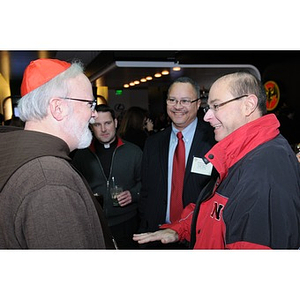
column 286, row 75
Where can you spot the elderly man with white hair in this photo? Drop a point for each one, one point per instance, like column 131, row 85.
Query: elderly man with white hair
column 44, row 202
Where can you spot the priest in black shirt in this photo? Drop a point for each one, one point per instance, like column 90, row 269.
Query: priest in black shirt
column 112, row 161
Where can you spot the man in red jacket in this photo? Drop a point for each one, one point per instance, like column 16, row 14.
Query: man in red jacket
column 254, row 200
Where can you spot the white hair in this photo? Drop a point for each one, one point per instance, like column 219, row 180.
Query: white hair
column 33, row 106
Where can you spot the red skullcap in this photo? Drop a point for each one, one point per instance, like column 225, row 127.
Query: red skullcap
column 40, row 71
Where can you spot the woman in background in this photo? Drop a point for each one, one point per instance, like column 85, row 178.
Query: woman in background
column 135, row 126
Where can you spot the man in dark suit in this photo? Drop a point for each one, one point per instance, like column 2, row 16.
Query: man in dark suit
column 183, row 102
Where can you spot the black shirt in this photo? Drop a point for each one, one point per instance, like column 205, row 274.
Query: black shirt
column 105, row 153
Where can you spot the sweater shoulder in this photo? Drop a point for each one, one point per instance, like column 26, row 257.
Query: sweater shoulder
column 47, row 170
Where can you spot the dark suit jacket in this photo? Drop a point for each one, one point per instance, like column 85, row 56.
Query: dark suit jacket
column 153, row 204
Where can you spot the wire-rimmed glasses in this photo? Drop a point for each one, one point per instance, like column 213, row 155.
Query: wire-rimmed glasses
column 183, row 102
column 92, row 103
column 215, row 107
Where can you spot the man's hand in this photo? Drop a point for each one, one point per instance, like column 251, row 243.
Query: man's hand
column 165, row 236
column 124, row 198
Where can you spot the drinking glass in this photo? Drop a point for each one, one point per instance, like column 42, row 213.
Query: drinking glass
column 115, row 191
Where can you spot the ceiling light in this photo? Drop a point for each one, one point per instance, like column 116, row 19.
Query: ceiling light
column 126, row 85
column 157, row 75
column 132, row 84
column 143, row 79
column 136, row 82
column 176, row 69
column 149, row 78
column 165, row 72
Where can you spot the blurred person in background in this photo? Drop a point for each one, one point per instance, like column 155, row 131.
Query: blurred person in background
column 136, row 126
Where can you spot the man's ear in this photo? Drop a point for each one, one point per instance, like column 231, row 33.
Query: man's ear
column 57, row 108
column 251, row 103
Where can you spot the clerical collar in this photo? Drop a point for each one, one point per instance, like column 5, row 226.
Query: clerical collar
column 108, row 145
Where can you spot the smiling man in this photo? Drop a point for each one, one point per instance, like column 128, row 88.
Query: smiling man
column 161, row 201
column 254, row 203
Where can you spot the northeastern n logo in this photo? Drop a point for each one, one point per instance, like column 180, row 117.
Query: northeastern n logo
column 216, row 211
column 273, row 95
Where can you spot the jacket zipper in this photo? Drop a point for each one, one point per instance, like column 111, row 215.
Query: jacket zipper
column 109, row 175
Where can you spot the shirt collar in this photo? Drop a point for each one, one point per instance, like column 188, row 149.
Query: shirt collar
column 187, row 132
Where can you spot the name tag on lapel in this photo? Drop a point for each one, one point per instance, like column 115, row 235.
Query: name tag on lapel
column 200, row 167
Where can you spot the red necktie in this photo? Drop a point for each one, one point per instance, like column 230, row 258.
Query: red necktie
column 176, row 205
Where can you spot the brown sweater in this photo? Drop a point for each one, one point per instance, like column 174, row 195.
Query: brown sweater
column 44, row 203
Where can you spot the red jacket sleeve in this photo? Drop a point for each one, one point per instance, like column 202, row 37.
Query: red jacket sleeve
column 183, row 225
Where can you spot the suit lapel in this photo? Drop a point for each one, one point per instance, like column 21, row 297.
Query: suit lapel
column 164, row 151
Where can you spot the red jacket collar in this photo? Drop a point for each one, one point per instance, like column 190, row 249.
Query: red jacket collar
column 240, row 142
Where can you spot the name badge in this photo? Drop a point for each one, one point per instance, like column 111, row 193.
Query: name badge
column 200, row 167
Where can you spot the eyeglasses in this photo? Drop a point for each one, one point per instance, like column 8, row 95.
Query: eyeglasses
column 183, row 102
column 92, row 103
column 215, row 107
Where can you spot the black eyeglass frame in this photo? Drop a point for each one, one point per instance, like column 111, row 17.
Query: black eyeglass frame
column 92, row 103
column 175, row 101
column 215, row 107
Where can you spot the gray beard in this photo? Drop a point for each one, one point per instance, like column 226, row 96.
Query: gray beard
column 85, row 139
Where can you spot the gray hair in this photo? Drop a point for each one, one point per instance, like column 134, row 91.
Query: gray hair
column 33, row 106
column 244, row 83
column 187, row 80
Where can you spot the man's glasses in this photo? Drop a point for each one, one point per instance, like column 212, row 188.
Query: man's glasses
column 183, row 102
column 92, row 103
column 215, row 107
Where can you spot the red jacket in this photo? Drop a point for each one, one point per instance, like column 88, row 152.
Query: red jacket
column 255, row 203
